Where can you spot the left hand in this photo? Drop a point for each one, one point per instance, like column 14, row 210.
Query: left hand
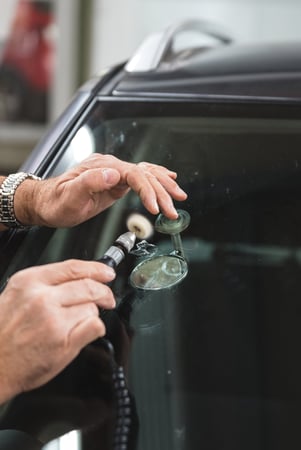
column 87, row 189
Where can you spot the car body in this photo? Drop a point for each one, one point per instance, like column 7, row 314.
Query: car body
column 211, row 362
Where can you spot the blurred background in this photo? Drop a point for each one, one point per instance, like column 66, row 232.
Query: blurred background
column 48, row 48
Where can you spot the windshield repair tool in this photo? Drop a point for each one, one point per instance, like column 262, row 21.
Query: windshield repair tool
column 118, row 251
column 139, row 227
column 125, row 410
column 126, row 419
column 164, row 271
column 174, row 228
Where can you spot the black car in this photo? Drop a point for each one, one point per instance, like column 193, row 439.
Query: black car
column 210, row 360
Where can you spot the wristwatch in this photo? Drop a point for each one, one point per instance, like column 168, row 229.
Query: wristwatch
column 7, row 193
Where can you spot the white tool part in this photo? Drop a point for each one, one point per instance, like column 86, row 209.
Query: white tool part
column 140, row 225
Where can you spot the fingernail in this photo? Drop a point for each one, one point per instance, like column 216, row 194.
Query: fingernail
column 110, row 176
column 180, row 191
column 155, row 206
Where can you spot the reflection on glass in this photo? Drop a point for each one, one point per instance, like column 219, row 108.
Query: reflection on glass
column 82, row 145
column 68, row 441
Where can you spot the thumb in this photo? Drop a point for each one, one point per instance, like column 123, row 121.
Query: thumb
column 98, row 180
column 111, row 177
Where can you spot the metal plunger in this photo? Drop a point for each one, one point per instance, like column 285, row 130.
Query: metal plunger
column 118, row 251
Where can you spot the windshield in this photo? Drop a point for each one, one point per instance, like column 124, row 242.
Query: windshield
column 211, row 362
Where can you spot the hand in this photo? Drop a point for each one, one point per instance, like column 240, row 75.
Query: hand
column 93, row 186
column 82, row 396
column 43, row 327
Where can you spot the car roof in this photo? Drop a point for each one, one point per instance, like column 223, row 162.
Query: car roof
column 255, row 70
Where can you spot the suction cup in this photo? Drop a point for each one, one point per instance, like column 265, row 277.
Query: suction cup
column 175, row 226
column 160, row 272
column 164, row 271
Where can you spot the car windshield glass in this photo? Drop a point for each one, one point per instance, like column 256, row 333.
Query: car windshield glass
column 211, row 360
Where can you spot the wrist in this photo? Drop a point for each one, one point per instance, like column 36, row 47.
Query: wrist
column 17, row 200
column 25, row 200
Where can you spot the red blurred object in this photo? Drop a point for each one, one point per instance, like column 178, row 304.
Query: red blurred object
column 27, row 63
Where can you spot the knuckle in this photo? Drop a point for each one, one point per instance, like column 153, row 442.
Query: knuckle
column 103, row 159
column 105, row 297
column 19, row 278
column 73, row 266
column 31, row 295
column 142, row 166
column 76, row 269
column 91, row 288
column 98, row 327
column 107, row 292
column 93, row 309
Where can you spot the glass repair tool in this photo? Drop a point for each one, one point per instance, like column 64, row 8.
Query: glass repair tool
column 118, row 251
column 139, row 227
column 174, row 228
column 164, row 271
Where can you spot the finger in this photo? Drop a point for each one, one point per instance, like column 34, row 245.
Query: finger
column 96, row 180
column 172, row 187
column 75, row 314
column 164, row 200
column 157, row 168
column 83, row 291
column 166, row 178
column 86, row 331
column 156, row 193
column 140, row 183
column 99, row 160
column 72, row 269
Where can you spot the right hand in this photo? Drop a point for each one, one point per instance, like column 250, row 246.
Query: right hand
column 47, row 315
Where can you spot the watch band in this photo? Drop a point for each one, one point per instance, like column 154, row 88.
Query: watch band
column 7, row 193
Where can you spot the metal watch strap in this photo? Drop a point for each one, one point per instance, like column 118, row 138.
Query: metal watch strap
column 7, row 193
